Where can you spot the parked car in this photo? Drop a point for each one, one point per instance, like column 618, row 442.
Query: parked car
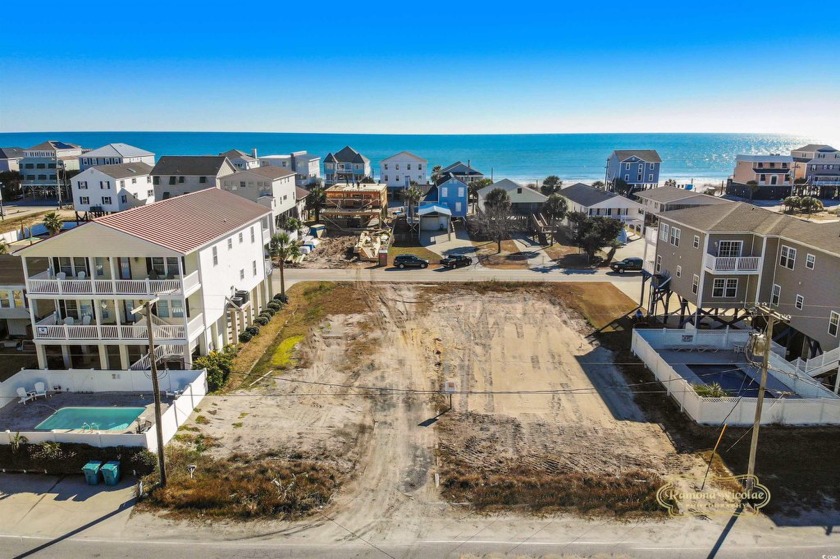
column 456, row 261
column 410, row 261
column 627, row 265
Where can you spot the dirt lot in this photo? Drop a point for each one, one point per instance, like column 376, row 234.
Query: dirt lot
column 536, row 398
column 332, row 252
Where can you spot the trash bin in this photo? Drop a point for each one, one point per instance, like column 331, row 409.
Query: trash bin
column 91, row 470
column 111, row 472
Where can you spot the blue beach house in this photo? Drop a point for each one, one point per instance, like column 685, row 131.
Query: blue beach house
column 347, row 166
column 451, row 194
column 639, row 168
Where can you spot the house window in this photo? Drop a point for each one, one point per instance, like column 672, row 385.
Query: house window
column 460, row 192
column 254, row 267
column 729, row 249
column 696, row 243
column 241, row 238
column 253, row 238
column 123, row 199
column 230, row 243
column 177, row 308
column 650, row 178
column 242, row 274
column 810, row 260
column 695, row 282
column 833, row 322
column 675, row 236
column 725, row 287
column 386, row 178
column 627, row 166
column 106, row 199
column 408, row 167
column 663, row 232
column 776, row 294
column 788, row 258
column 443, row 192
column 215, row 256
column 155, row 180
column 626, row 178
column 419, row 166
column 679, row 271
column 180, row 179
column 202, row 180
column 133, row 181
column 800, row 302
column 172, row 180
column 84, row 200
column 658, row 264
column 122, row 184
column 150, row 193
column 82, row 185
column 386, row 166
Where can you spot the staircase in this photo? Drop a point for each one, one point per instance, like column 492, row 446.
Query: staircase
column 819, row 365
column 161, row 351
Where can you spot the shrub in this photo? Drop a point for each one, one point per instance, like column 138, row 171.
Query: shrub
column 274, row 305
column 269, row 312
column 281, row 298
column 261, row 320
column 253, row 330
column 245, row 337
column 68, row 458
column 218, row 365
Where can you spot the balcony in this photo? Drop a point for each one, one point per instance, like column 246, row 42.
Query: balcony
column 733, row 265
column 46, row 285
column 164, row 333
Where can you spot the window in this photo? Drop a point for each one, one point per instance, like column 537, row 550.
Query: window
column 663, row 232
column 695, row 282
column 241, row 238
column 679, row 271
column 155, row 180
column 627, row 166
column 776, row 294
column 408, row 167
column 123, row 198
column 215, row 256
column 457, row 206
column 386, row 166
column 242, row 274
column 84, row 200
column 833, row 322
column 230, row 243
column 122, row 184
column 202, row 180
column 134, row 181
column 626, row 178
column 106, row 199
column 729, row 249
column 5, row 299
column 419, row 166
column 254, row 267
column 150, row 193
column 253, row 237
column 386, row 178
column 658, row 264
column 810, row 260
column 460, row 192
column 800, row 302
column 397, row 166
column 177, row 308
column 788, row 258
column 725, row 287
column 82, row 185
column 675, row 236
column 180, row 179
column 443, row 192
column 171, row 180
column 650, row 178
column 696, row 243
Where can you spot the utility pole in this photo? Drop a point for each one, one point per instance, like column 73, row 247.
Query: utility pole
column 772, row 317
column 147, row 310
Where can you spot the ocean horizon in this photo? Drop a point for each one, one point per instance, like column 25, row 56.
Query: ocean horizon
column 702, row 158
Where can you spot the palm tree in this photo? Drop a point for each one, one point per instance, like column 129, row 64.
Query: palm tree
column 282, row 247
column 551, row 185
column 753, row 187
column 412, row 196
column 791, row 203
column 436, row 173
column 316, row 200
column 809, row 204
column 555, row 209
column 497, row 208
column 53, row 223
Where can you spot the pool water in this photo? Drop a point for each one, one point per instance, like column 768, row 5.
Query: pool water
column 731, row 378
column 98, row 419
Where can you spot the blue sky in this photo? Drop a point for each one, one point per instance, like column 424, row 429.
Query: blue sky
column 422, row 67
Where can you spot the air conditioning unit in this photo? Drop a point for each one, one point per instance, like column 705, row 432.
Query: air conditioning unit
column 245, row 296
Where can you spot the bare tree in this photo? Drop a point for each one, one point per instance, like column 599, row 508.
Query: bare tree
column 495, row 222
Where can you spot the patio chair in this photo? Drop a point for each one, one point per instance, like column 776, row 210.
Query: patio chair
column 24, row 395
column 69, row 320
column 86, row 320
column 81, row 275
column 40, row 390
column 61, row 275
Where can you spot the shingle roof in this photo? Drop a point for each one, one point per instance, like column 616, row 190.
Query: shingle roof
column 186, row 223
column 408, row 153
column 740, row 217
column 300, row 193
column 350, row 155
column 815, row 147
column 11, row 153
column 667, row 194
column 268, row 171
column 649, row 155
column 205, row 165
column 460, row 168
column 237, row 153
column 118, row 150
column 586, row 195
column 124, row 170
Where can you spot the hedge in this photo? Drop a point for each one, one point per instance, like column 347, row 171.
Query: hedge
column 68, row 458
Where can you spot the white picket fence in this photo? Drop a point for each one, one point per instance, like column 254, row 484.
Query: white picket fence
column 816, row 405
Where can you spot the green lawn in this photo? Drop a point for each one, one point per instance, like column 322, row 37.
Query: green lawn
column 432, row 257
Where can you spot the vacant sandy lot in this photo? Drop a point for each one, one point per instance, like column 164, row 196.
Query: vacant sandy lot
column 533, row 392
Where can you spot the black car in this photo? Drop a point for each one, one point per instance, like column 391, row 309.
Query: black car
column 410, row 261
column 455, row 261
column 627, row 265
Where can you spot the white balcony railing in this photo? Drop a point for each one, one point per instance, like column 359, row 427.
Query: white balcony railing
column 46, row 284
column 47, row 329
column 195, row 326
column 733, row 264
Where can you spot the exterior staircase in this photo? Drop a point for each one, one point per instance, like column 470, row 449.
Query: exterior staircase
column 821, row 364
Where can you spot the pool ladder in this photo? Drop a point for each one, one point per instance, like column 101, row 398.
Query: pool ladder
column 90, row 427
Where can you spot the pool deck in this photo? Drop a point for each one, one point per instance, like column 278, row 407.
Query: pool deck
column 24, row 417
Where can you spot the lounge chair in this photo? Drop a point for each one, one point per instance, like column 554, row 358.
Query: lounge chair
column 24, row 395
column 40, row 390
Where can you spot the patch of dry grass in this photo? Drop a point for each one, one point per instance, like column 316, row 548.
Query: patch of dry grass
column 422, row 252
column 509, row 259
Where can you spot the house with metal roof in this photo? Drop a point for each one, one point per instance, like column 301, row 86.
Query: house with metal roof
column 595, row 202
column 175, row 175
column 451, row 194
column 115, row 154
column 346, row 166
column 201, row 255
column 402, row 169
column 307, row 167
column 638, row 168
column 524, row 201
column 273, row 187
column 113, row 188
column 667, row 198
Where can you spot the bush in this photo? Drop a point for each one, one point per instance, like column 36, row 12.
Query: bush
column 274, row 305
column 269, row 312
column 68, row 458
column 281, row 298
column 245, row 337
column 261, row 320
column 253, row 330
column 218, row 365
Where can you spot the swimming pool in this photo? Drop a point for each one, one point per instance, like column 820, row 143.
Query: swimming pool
column 731, row 378
column 96, row 419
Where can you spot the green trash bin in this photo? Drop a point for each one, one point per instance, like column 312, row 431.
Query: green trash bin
column 111, row 472
column 91, row 470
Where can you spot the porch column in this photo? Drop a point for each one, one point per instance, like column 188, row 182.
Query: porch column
column 65, row 354
column 124, row 364
column 103, row 357
column 41, row 352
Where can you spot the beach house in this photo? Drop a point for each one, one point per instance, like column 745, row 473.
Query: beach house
column 175, row 175
column 464, row 172
column 201, row 255
column 595, row 202
column 637, row 168
column 273, row 187
column 10, row 159
column 667, row 198
column 44, row 168
column 113, row 188
column 241, row 160
column 803, row 155
column 115, row 154
column 524, row 201
column 347, row 166
column 402, row 169
column 822, row 174
column 451, row 194
column 307, row 167
column 761, row 177
column 14, row 303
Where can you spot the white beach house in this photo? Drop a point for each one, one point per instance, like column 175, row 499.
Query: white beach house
column 202, row 254
column 400, row 170
column 272, row 187
column 114, row 154
column 113, row 188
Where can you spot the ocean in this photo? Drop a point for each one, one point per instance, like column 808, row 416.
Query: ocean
column 703, row 158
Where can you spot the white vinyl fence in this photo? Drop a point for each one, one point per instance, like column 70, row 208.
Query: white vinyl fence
column 816, row 405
